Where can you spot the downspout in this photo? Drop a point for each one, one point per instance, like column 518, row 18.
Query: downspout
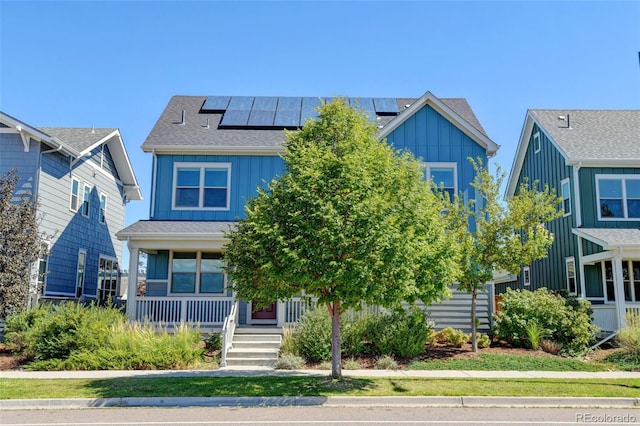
column 576, row 191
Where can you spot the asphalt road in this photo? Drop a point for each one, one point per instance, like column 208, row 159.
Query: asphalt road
column 320, row 416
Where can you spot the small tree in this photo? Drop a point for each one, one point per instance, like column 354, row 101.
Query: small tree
column 19, row 245
column 505, row 235
column 349, row 221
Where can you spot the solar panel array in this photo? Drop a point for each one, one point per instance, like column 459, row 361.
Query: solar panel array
column 284, row 112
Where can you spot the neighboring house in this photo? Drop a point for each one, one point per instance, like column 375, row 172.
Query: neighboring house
column 592, row 159
column 81, row 179
column 210, row 154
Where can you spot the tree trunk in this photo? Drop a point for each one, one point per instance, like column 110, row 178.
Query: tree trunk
column 474, row 337
column 336, row 347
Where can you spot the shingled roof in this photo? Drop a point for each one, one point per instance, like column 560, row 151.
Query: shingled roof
column 183, row 126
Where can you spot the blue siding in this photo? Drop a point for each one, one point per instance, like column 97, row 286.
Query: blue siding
column 433, row 138
column 12, row 156
column 548, row 167
column 247, row 172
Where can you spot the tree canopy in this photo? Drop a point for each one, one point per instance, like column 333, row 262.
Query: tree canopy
column 350, row 220
column 19, row 245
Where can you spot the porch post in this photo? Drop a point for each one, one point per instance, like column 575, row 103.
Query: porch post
column 280, row 313
column 618, row 285
column 132, row 286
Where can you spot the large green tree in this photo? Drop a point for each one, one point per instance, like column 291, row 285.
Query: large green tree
column 504, row 235
column 350, row 220
column 19, row 245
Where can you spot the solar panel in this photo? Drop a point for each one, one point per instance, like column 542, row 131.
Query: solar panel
column 309, row 109
column 364, row 104
column 241, row 102
column 289, row 103
column 386, row 105
column 265, row 103
column 235, row 117
column 216, row 103
column 262, row 118
column 287, row 118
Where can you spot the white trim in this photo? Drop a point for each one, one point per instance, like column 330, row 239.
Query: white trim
column 576, row 193
column 622, row 178
column 112, row 259
column 202, row 166
column 566, row 181
column 526, row 276
column 198, row 272
column 210, row 149
column 536, row 142
column 71, row 194
column 102, row 220
column 428, row 165
column 85, row 187
column 84, row 272
column 567, row 261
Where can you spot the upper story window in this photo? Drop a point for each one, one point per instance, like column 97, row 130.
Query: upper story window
column 536, row 142
column 572, row 286
column 618, row 197
column 75, row 194
column 566, row 196
column 201, row 186
column 86, row 197
column 80, row 196
column 103, row 208
column 444, row 175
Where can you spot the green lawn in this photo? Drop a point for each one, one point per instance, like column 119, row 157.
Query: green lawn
column 311, row 386
column 496, row 362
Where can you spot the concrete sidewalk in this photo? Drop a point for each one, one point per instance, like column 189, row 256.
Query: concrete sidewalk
column 433, row 401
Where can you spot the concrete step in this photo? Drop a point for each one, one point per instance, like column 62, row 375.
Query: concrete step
column 251, row 362
column 256, row 345
column 252, row 353
column 275, row 338
column 259, row 330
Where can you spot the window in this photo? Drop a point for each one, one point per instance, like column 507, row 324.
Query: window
column 566, row 196
column 618, row 197
column 630, row 280
column 86, row 196
column 75, row 194
column 201, row 186
column 571, row 276
column 107, row 279
column 43, row 262
column 526, row 276
column 82, row 260
column 444, row 175
column 536, row 142
column 197, row 272
column 103, row 208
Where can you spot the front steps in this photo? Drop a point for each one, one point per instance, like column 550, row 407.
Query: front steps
column 255, row 347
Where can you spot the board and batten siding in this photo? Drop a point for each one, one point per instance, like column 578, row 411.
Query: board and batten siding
column 247, row 173
column 433, row 138
column 588, row 196
column 549, row 167
column 70, row 231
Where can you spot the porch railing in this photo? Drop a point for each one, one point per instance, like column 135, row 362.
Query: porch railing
column 605, row 316
column 206, row 311
column 228, row 329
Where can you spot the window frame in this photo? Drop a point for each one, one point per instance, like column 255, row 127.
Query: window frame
column 536, row 143
column 74, row 201
column 526, row 276
column 623, row 178
column 201, row 186
column 567, row 262
column 113, row 289
column 85, row 206
column 428, row 166
column 567, row 182
column 102, row 215
column 197, row 275
column 81, row 272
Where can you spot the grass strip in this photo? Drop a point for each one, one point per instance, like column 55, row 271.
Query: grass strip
column 494, row 362
column 311, row 386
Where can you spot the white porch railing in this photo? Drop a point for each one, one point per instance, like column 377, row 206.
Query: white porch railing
column 206, row 311
column 228, row 329
column 605, row 316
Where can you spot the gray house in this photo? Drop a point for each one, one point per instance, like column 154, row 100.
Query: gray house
column 592, row 159
column 82, row 180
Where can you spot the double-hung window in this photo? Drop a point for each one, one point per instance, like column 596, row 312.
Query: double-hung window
column 82, row 261
column 572, row 287
column 526, row 275
column 197, row 272
column 618, row 197
column 566, row 196
column 103, row 208
column 201, row 186
column 444, row 176
column 80, row 196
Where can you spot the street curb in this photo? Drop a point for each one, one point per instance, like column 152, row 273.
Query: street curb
column 333, row 401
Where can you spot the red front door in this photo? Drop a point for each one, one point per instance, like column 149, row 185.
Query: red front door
column 268, row 313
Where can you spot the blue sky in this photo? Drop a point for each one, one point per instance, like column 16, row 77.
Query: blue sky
column 116, row 64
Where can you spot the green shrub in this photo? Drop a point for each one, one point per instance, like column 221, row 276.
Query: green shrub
column 558, row 317
column 629, row 337
column 312, row 335
column 288, row 344
column 452, row 337
column 351, row 364
column 356, row 336
column 214, row 342
column 289, row 362
column 535, row 332
column 386, row 362
column 483, row 340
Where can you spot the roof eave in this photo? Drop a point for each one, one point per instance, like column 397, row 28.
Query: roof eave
column 228, row 150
